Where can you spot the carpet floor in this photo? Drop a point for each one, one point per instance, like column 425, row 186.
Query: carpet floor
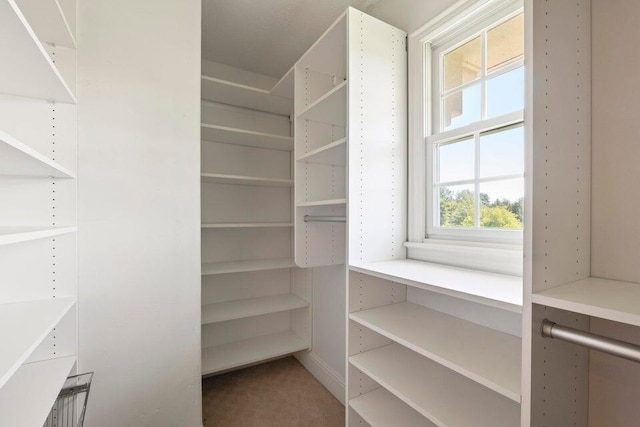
column 280, row 393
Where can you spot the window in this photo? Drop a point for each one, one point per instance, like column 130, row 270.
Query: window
column 467, row 140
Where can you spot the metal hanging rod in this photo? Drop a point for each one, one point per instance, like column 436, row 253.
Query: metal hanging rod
column 314, row 218
column 621, row 349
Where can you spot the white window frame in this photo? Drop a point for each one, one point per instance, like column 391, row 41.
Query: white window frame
column 490, row 250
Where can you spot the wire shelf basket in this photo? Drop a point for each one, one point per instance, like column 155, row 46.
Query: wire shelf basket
column 71, row 404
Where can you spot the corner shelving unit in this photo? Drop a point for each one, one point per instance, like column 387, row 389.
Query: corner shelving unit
column 256, row 303
column 38, row 260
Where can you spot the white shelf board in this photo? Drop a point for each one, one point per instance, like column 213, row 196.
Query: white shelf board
column 285, row 86
column 232, row 93
column 10, row 235
column 19, row 159
column 216, row 178
column 48, row 22
column 607, row 299
column 239, row 309
column 329, row 108
column 23, row 326
column 243, row 266
column 26, row 68
column 27, row 398
column 247, row 225
column 447, row 399
column 492, row 289
column 332, row 202
column 232, row 355
column 331, row 154
column 380, row 408
column 244, row 137
column 484, row 355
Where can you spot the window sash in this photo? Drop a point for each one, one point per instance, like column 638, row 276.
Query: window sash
column 432, row 205
column 433, row 70
column 435, row 51
column 461, row 20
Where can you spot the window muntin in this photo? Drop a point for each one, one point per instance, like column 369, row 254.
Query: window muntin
column 475, row 179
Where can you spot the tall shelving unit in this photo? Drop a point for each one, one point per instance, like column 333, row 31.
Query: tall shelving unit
column 350, row 140
column 38, row 258
column 583, row 271
column 256, row 303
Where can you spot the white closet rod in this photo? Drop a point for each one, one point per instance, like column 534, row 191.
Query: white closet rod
column 621, row 349
column 316, row 218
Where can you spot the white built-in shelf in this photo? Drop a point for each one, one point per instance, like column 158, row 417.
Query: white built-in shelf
column 26, row 399
column 48, row 22
column 443, row 396
column 239, row 309
column 19, row 159
column 244, row 137
column 26, row 67
column 329, row 108
column 240, row 95
column 484, row 355
column 380, row 408
column 285, row 86
column 330, row 154
column 492, row 289
column 217, row 178
column 607, row 299
column 23, row 326
column 331, row 202
column 231, row 355
column 243, row 266
column 10, row 235
column 248, row 225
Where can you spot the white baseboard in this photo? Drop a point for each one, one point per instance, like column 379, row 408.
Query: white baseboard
column 323, row 373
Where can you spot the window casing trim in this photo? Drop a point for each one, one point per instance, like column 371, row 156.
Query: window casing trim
column 420, row 124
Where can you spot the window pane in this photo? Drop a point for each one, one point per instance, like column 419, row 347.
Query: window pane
column 455, row 161
column 505, row 43
column 502, row 152
column 462, row 108
column 457, row 206
column 501, row 204
column 463, row 64
column 505, row 93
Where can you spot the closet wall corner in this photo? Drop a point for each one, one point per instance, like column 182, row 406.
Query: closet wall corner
column 256, row 302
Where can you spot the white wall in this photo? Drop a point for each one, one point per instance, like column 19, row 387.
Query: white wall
column 139, row 210
column 408, row 15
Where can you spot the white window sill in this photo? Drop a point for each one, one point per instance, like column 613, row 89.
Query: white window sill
column 492, row 258
column 492, row 289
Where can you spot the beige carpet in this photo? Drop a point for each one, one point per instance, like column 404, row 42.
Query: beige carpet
column 280, row 393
